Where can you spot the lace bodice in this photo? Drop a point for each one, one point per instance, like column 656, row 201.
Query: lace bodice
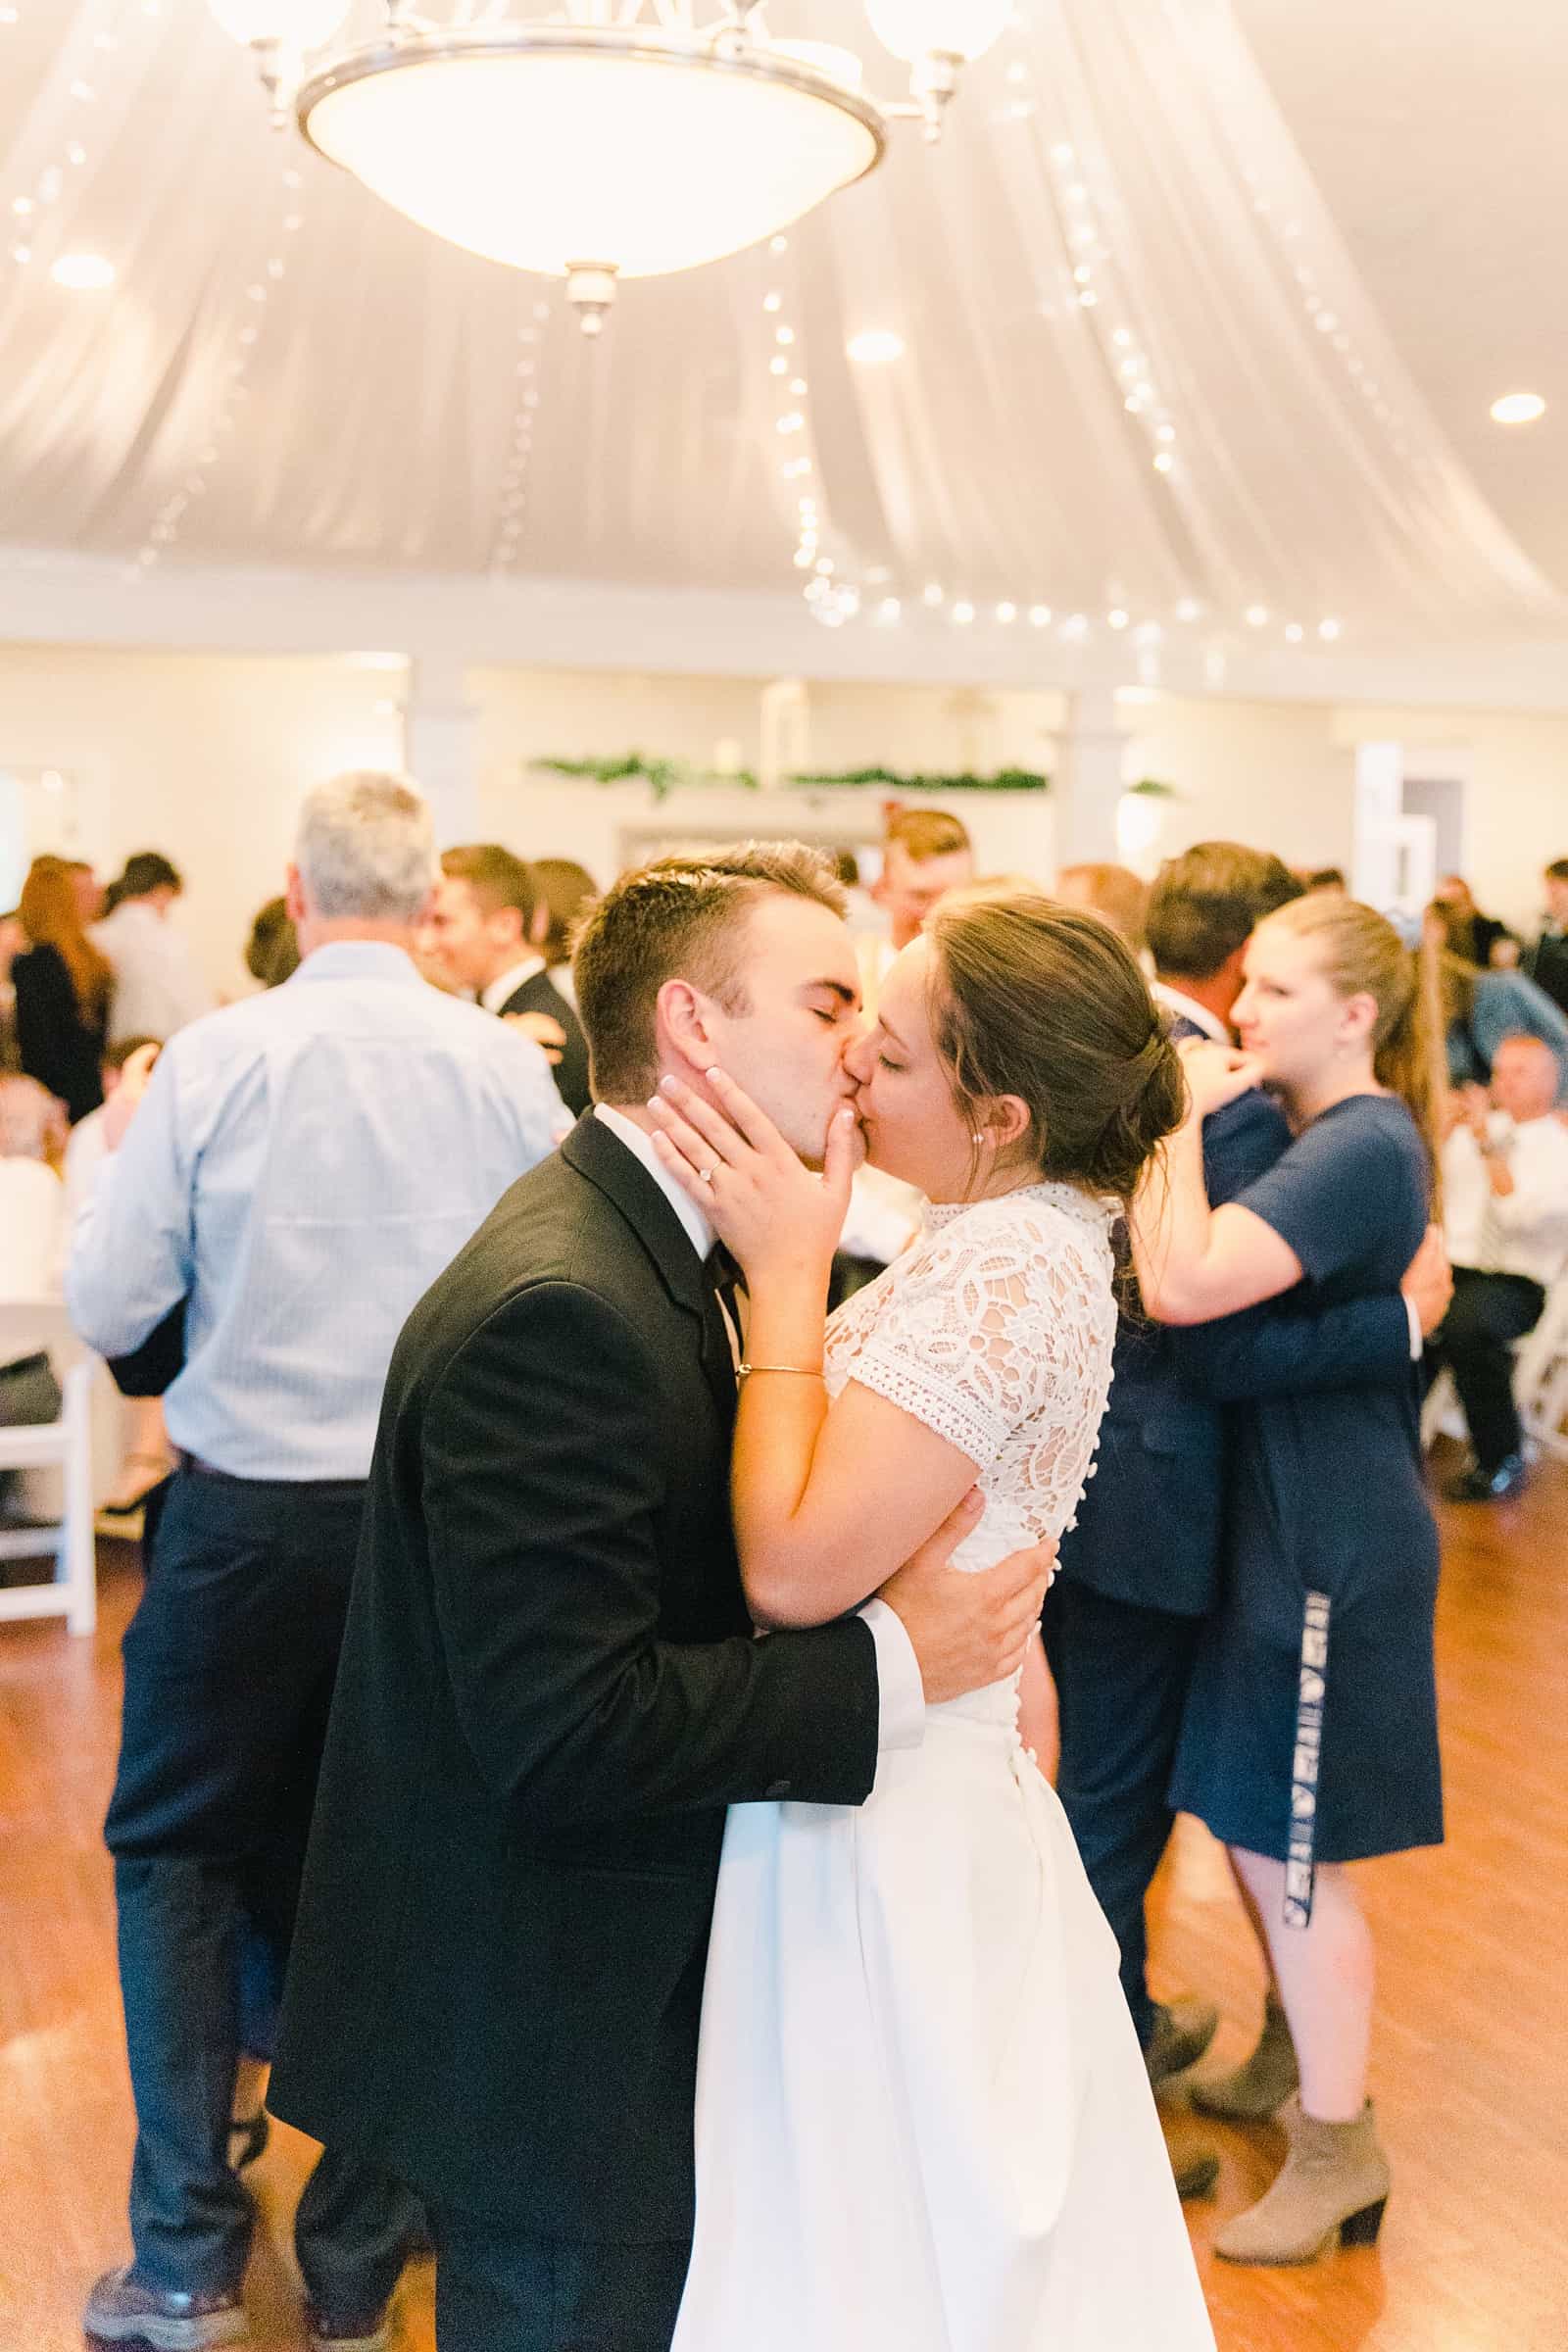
column 996, row 1330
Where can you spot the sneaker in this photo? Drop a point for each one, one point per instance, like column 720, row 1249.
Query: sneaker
column 122, row 2311
column 1476, row 1485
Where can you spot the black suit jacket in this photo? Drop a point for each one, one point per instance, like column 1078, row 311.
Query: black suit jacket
column 1150, row 1529
column 548, row 1694
column 541, row 995
column 1547, row 967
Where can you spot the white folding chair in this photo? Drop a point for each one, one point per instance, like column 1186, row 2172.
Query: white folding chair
column 1541, row 1375
column 64, row 1446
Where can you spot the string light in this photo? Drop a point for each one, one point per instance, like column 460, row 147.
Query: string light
column 233, row 382
column 514, row 489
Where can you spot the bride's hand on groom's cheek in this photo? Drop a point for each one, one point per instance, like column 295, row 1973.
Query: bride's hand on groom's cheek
column 764, row 1204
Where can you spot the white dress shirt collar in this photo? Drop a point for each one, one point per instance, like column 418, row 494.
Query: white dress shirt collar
column 1189, row 1010
column 640, row 1144
column 500, row 991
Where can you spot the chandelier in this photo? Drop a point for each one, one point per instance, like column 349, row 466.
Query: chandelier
column 607, row 139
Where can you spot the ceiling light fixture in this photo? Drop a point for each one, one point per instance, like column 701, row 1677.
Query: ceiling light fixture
column 1518, row 408
column 597, row 143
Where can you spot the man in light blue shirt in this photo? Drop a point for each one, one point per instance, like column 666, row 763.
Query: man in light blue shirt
column 301, row 1168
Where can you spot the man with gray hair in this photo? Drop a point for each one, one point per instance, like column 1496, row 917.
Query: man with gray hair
column 301, row 1168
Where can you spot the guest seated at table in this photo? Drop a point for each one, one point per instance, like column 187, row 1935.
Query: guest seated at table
column 1505, row 1181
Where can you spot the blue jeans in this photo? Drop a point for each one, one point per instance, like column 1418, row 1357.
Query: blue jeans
column 230, row 1664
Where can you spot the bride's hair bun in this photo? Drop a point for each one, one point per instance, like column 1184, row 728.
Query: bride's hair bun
column 1039, row 1001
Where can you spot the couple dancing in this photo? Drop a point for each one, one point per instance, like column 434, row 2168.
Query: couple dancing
column 922, row 2122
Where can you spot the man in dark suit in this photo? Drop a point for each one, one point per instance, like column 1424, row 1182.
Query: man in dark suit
column 1548, row 960
column 550, row 1691
column 1125, row 1617
column 481, row 932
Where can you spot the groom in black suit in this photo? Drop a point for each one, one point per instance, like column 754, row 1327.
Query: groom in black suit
column 548, row 1690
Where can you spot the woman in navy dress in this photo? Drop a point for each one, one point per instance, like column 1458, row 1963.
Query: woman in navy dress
column 1311, row 1739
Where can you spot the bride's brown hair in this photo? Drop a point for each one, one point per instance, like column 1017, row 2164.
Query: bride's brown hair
column 1036, row 999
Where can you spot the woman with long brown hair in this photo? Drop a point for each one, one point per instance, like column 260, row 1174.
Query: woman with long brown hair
column 1311, row 1739
column 63, row 983
column 922, row 2115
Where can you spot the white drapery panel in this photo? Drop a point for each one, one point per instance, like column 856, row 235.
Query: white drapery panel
column 287, row 372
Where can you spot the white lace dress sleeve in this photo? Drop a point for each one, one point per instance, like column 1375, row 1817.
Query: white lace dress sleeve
column 996, row 1331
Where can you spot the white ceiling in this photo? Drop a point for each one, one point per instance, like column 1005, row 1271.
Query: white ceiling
column 361, row 417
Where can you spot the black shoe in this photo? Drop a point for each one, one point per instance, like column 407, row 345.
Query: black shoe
column 1476, row 1485
column 121, row 2311
column 1197, row 2176
column 362, row 2332
column 1183, row 2031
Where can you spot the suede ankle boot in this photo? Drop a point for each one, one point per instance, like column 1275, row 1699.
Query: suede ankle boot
column 1260, row 2086
column 1331, row 2189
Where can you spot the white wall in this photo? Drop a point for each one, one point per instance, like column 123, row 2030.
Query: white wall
column 531, row 714
column 206, row 756
column 1516, row 812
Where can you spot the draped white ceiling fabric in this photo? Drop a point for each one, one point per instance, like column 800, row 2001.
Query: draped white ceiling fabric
column 1144, row 375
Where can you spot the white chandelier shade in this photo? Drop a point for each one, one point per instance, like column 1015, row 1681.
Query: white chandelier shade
column 913, row 29
column 561, row 150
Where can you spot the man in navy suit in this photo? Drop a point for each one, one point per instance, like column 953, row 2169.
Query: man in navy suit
column 1140, row 1570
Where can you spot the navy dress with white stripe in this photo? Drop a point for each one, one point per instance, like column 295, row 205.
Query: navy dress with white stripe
column 1311, row 1730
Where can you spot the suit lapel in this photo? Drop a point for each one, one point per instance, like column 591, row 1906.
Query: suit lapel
column 600, row 1156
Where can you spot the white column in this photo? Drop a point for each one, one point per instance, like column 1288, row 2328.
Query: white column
column 1089, row 787
column 441, row 746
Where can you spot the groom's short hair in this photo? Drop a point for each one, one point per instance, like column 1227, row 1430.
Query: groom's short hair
column 680, row 918
column 1206, row 902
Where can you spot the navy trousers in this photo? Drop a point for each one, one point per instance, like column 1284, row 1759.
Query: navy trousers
column 229, row 1663
column 1122, row 1674
column 533, row 2294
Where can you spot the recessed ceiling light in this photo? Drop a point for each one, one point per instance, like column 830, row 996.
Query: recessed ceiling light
column 876, row 347
column 83, row 273
column 1518, row 408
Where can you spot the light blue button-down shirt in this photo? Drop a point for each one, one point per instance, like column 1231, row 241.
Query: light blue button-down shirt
column 303, row 1166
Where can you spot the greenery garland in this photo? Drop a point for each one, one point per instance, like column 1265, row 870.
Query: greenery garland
column 665, row 777
column 1006, row 779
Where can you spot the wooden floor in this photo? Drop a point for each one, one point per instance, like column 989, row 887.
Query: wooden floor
column 1471, row 2050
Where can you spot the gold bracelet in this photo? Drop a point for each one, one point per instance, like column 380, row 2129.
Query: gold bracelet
column 800, row 1371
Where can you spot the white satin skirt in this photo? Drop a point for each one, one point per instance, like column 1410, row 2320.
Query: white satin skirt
column 923, row 2122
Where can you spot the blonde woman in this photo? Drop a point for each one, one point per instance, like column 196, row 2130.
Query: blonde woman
column 1310, row 1739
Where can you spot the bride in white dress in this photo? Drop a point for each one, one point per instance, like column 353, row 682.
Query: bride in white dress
column 923, row 2121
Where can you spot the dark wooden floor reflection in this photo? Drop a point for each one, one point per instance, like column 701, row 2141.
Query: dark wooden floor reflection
column 1470, row 2054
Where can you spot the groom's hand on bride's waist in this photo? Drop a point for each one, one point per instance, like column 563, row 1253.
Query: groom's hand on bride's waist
column 968, row 1631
